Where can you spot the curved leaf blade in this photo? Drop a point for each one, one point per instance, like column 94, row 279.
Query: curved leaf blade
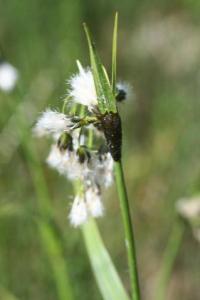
column 106, row 100
column 104, row 270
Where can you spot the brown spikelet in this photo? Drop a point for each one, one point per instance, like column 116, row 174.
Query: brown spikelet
column 111, row 124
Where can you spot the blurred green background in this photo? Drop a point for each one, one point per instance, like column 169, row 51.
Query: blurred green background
column 159, row 55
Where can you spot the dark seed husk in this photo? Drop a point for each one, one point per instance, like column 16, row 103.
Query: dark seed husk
column 111, row 124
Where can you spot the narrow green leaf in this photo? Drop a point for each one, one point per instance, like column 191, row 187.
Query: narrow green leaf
column 106, row 74
column 114, row 54
column 104, row 270
column 105, row 96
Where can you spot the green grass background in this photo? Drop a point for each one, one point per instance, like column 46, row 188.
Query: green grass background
column 158, row 53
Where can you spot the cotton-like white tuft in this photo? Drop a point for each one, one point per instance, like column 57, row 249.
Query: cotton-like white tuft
column 58, row 160
column 67, row 164
column 77, row 170
column 104, row 170
column 8, row 77
column 79, row 213
column 52, row 122
column 54, row 158
column 82, row 88
column 93, row 201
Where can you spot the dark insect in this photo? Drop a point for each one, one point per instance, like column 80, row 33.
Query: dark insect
column 111, row 124
column 121, row 95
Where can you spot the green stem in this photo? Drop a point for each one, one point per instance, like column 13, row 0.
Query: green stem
column 169, row 258
column 66, row 100
column 128, row 229
column 90, row 138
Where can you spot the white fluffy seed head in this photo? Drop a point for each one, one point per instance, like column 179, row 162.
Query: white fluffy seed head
column 74, row 169
column 77, row 170
column 93, row 201
column 189, row 208
column 8, row 77
column 54, row 158
column 67, row 164
column 104, row 170
column 79, row 213
column 52, row 123
column 82, row 88
column 58, row 160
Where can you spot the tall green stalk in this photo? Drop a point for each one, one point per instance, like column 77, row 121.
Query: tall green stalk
column 107, row 107
column 128, row 230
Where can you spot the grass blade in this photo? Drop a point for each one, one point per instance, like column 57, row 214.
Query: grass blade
column 105, row 96
column 114, row 54
column 106, row 275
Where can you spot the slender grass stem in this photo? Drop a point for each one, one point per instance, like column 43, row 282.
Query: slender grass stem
column 90, row 138
column 66, row 100
column 169, row 258
column 128, row 229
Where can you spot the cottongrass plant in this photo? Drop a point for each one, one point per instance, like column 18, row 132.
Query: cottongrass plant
column 86, row 144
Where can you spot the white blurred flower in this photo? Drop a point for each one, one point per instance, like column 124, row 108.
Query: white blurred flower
column 52, row 122
column 93, row 201
column 8, row 77
column 82, row 88
column 79, row 213
column 189, row 208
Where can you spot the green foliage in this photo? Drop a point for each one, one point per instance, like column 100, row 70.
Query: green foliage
column 114, row 55
column 161, row 129
column 105, row 97
column 105, row 273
